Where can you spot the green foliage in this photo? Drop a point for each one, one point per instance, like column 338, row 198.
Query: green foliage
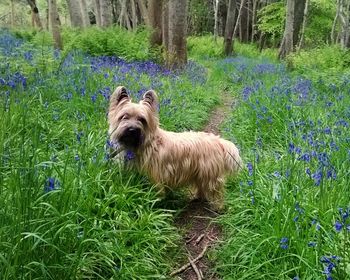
column 293, row 136
column 111, row 41
column 271, row 21
column 66, row 211
column 319, row 23
column 200, row 17
column 204, row 47
column 96, row 41
column 326, row 62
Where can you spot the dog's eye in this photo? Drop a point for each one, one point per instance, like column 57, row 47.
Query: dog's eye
column 124, row 117
column 142, row 120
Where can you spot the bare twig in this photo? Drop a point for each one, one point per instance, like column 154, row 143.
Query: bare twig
column 195, row 268
column 199, row 238
column 190, row 239
column 185, row 266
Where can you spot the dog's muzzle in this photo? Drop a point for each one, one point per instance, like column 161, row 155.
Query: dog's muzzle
column 132, row 137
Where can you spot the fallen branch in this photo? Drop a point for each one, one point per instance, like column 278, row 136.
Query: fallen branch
column 187, row 265
column 190, row 239
column 195, row 268
column 199, row 238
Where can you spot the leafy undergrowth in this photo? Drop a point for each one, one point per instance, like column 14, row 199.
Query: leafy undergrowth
column 66, row 211
column 288, row 216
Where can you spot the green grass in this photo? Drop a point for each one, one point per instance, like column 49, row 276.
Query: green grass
column 293, row 136
column 67, row 211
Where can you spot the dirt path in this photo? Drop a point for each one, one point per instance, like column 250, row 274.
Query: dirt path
column 196, row 220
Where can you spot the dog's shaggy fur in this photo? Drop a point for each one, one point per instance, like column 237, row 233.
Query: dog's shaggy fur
column 197, row 159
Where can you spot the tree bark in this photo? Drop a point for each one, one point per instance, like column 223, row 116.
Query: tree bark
column 177, row 51
column 301, row 41
column 55, row 24
column 155, row 18
column 344, row 18
column 133, row 14
column 105, row 13
column 35, row 14
column 216, row 10
column 230, row 27
column 84, row 13
column 97, row 12
column 299, row 10
column 287, row 41
column 76, row 18
column 12, row 13
column 334, row 25
column 254, row 14
column 144, row 12
column 165, row 27
column 238, row 17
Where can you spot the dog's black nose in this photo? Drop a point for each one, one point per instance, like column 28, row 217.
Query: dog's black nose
column 132, row 137
column 133, row 130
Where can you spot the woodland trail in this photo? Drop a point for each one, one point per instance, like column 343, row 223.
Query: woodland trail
column 197, row 221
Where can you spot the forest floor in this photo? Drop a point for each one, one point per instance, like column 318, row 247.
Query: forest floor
column 197, row 220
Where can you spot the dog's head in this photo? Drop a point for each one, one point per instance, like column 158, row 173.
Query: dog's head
column 132, row 124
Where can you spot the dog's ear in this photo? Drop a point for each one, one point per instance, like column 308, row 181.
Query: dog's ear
column 150, row 99
column 119, row 96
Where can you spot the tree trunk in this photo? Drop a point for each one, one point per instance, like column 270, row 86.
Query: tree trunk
column 301, row 41
column 133, row 14
column 55, row 25
column 344, row 17
column 298, row 20
column 334, row 25
column 76, row 18
column 287, row 41
column 247, row 22
column 47, row 18
column 238, row 17
column 230, row 27
column 155, row 18
column 35, row 14
column 254, row 14
column 105, row 13
column 126, row 18
column 97, row 12
column 165, row 27
column 84, row 13
column 216, row 10
column 144, row 12
column 177, row 51
column 12, row 13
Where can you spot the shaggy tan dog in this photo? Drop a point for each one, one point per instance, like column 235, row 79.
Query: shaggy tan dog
column 197, row 159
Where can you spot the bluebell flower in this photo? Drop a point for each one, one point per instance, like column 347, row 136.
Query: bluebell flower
column 250, row 168
column 311, row 244
column 305, row 157
column 129, row 155
column 317, row 176
column 51, row 184
column 329, row 264
column 298, row 208
column 284, row 243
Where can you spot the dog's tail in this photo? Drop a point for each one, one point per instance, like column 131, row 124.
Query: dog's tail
column 233, row 161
